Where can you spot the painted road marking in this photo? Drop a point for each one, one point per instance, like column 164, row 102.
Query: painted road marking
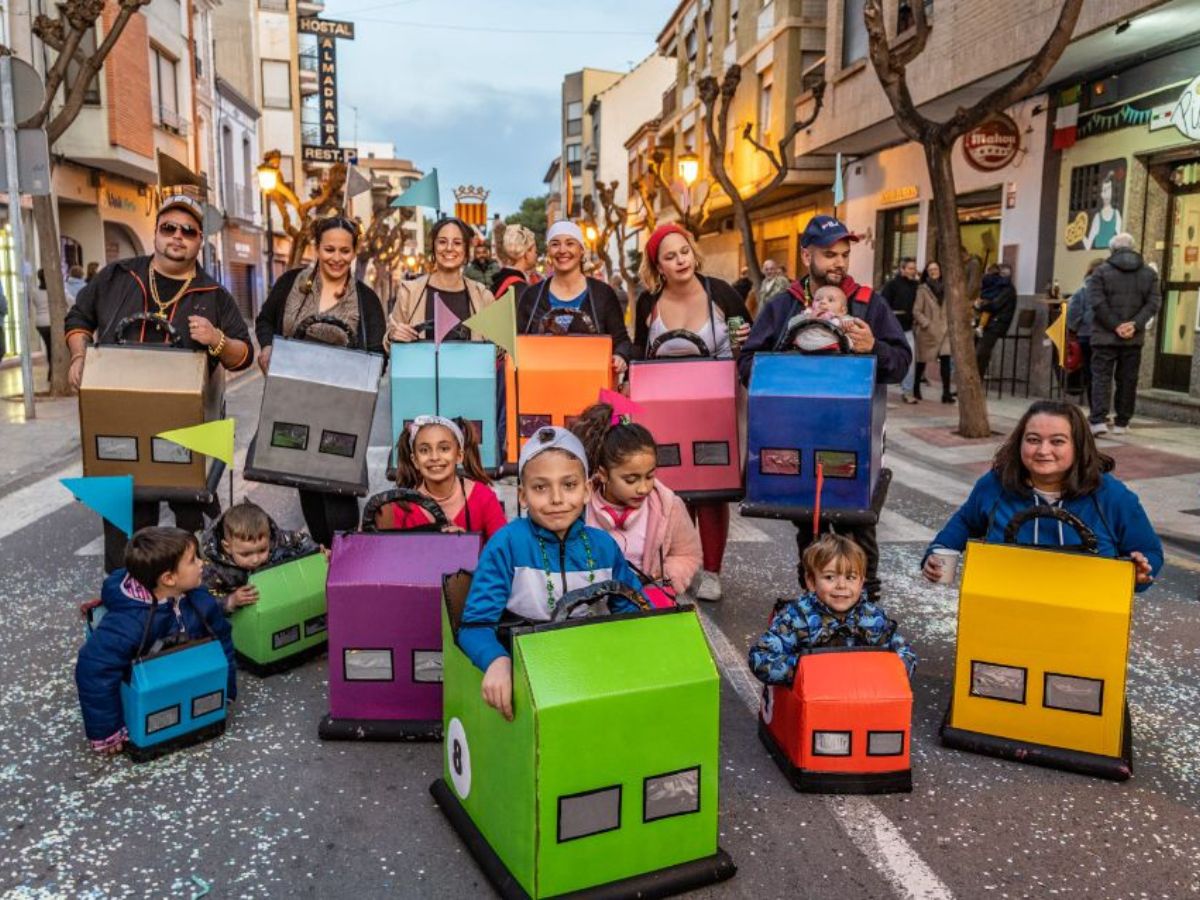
column 928, row 481
column 742, row 532
column 871, row 832
column 31, row 503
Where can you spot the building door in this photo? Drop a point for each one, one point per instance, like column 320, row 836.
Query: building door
column 898, row 232
column 241, row 285
column 1177, row 322
column 120, row 242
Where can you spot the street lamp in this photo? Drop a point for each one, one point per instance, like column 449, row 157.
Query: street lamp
column 590, row 235
column 268, row 183
column 689, row 167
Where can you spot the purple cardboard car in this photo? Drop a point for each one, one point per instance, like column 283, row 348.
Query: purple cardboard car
column 385, row 642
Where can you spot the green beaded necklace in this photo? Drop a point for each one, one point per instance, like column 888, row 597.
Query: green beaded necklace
column 551, row 600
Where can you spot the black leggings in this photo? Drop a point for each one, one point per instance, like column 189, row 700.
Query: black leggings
column 944, row 365
column 325, row 514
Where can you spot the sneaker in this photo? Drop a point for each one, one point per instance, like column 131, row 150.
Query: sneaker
column 909, row 398
column 1099, row 428
column 710, row 586
column 1120, row 429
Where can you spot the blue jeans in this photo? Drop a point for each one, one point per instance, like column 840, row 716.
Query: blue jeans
column 907, row 384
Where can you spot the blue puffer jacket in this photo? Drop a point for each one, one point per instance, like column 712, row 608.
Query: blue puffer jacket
column 104, row 659
column 1112, row 511
column 514, row 570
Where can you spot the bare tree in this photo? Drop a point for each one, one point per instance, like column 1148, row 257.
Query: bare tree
column 938, row 139
column 717, row 98
column 69, row 77
column 609, row 224
column 656, row 179
column 327, row 199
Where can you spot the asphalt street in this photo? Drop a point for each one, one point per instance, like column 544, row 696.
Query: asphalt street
column 270, row 811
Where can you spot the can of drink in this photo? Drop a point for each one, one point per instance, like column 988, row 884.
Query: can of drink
column 734, row 324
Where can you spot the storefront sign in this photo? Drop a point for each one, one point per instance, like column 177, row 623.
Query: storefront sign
column 1186, row 114
column 899, row 194
column 326, row 150
column 993, row 145
column 114, row 200
column 325, row 27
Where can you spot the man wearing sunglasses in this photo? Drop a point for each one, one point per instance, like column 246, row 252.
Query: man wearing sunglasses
column 171, row 286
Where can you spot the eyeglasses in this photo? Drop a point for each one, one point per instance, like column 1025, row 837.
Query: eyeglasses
column 170, row 229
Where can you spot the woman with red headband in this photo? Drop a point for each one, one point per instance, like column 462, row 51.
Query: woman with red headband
column 677, row 297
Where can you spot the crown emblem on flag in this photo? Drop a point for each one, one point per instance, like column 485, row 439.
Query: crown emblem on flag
column 471, row 193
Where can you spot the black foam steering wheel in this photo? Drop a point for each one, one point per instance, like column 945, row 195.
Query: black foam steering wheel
column 678, row 334
column 549, row 323
column 301, row 332
column 159, row 323
column 1087, row 536
column 827, row 328
column 593, row 594
column 403, row 495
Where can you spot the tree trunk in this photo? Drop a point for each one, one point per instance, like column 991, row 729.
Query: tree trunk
column 56, row 292
column 972, row 403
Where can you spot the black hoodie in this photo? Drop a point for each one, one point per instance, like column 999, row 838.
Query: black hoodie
column 1123, row 289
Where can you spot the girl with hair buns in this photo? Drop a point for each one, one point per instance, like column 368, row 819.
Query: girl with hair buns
column 518, row 249
column 678, row 297
column 324, row 288
column 647, row 520
column 413, row 309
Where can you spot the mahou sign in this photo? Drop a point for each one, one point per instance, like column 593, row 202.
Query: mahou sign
column 993, row 145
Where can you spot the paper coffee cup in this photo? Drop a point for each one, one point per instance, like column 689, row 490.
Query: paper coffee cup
column 949, row 560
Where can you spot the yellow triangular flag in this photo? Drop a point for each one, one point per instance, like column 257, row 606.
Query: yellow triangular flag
column 1056, row 331
column 213, row 439
column 498, row 323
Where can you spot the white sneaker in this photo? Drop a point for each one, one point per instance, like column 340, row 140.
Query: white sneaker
column 1120, row 429
column 1099, row 428
column 710, row 586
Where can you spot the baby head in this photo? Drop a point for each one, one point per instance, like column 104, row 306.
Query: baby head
column 166, row 561
column 834, row 569
column 246, row 535
column 829, row 302
column 553, row 475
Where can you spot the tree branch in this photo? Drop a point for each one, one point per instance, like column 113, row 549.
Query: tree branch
column 50, row 32
column 787, row 141
column 891, row 72
column 911, row 49
column 1026, row 81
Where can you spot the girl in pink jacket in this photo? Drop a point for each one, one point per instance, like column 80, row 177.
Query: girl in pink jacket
column 647, row 520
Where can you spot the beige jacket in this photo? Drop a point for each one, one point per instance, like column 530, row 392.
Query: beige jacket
column 414, row 303
column 930, row 334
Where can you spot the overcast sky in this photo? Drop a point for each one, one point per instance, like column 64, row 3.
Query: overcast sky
column 473, row 86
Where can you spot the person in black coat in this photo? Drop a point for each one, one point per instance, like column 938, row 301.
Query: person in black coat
column 997, row 298
column 326, row 288
column 570, row 302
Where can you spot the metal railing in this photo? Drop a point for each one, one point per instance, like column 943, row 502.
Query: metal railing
column 170, row 120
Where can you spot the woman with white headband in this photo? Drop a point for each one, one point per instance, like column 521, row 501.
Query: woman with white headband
column 571, row 303
column 428, row 455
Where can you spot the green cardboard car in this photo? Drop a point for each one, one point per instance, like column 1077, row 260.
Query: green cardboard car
column 607, row 776
column 286, row 626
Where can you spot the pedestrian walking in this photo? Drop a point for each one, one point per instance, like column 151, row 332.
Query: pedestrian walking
column 173, row 285
column 900, row 292
column 998, row 301
column 1079, row 324
column 41, row 319
column 743, row 285
column 774, row 282
column 1123, row 295
column 677, row 296
column 482, row 267
column 75, row 282
column 931, row 336
column 325, row 288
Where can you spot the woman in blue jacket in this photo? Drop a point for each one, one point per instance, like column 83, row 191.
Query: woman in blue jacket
column 1051, row 458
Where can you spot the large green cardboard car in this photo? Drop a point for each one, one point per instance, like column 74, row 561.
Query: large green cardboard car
column 607, row 776
column 287, row 625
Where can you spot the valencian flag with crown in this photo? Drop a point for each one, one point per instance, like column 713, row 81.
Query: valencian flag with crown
column 470, row 205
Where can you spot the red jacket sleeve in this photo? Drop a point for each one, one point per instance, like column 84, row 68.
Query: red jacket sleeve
column 487, row 510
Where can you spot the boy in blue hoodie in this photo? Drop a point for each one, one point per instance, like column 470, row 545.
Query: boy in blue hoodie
column 531, row 563
column 161, row 579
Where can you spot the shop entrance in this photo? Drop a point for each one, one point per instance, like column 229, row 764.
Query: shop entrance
column 1177, row 323
column 979, row 225
column 120, row 242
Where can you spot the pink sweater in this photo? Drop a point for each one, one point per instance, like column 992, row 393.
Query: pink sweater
column 669, row 529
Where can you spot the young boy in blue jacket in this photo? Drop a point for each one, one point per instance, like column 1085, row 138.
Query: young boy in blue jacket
column 161, row 580
column 531, row 563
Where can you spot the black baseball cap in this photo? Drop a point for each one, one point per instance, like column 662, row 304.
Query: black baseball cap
column 822, row 231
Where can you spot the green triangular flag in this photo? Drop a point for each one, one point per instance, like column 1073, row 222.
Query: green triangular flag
column 498, row 323
column 422, row 193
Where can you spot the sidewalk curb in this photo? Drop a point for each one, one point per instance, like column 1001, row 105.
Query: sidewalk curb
column 46, row 466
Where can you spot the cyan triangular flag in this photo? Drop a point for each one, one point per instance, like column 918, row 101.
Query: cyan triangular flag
column 110, row 495
column 422, row 193
column 839, row 190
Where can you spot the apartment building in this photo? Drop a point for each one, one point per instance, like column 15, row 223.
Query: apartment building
column 779, row 45
column 1108, row 143
column 580, row 134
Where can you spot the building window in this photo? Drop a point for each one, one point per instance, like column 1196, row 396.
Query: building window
column 734, row 6
column 87, row 48
column 273, row 5
column 766, row 83
column 277, row 84
column 898, row 228
column 906, row 19
column 574, row 119
column 165, row 91
column 575, row 159
column 854, row 32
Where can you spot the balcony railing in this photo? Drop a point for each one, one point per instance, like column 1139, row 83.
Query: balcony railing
column 273, row 5
column 169, row 120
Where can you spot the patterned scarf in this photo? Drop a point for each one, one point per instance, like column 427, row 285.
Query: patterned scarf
column 304, row 300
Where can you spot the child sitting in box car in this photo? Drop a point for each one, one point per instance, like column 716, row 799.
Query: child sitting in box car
column 646, row 518
column 161, row 564
column 833, row 612
column 533, row 562
column 829, row 305
column 428, row 454
column 243, row 541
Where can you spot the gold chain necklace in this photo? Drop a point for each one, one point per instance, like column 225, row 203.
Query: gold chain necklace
column 162, row 307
